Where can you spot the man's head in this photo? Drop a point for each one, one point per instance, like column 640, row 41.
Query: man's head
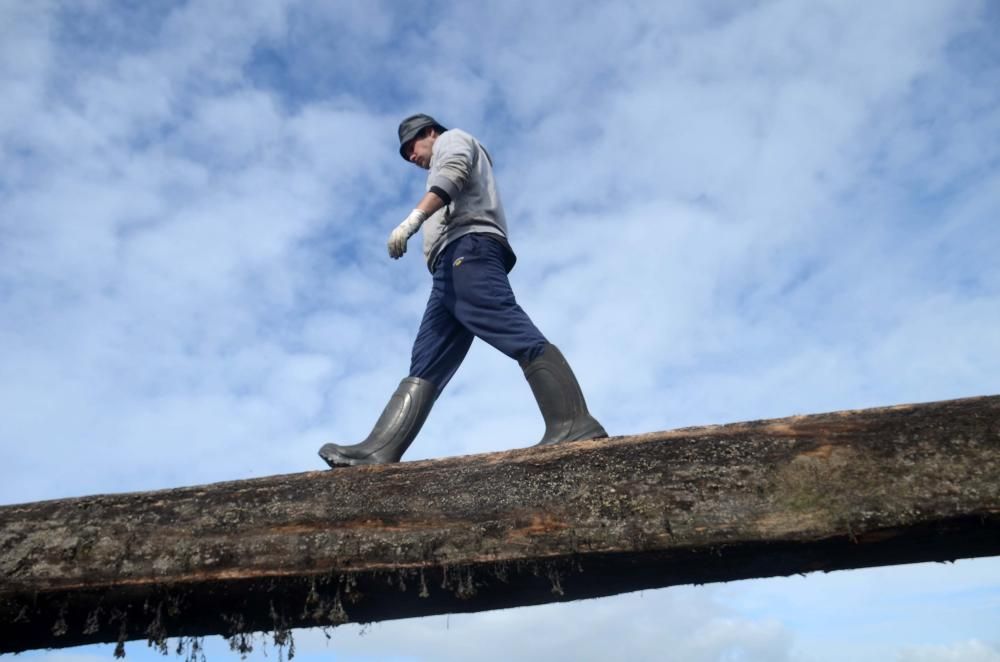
column 417, row 134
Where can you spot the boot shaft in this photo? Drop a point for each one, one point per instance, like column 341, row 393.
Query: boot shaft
column 560, row 399
column 394, row 430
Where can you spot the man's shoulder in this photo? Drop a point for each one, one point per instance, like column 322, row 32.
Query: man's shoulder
column 455, row 144
column 458, row 136
column 458, row 133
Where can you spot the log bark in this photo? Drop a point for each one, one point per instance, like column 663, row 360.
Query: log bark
column 580, row 520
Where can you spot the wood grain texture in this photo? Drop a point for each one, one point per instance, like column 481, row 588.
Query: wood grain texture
column 580, row 520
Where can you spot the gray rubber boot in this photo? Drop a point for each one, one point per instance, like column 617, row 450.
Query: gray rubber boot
column 394, row 431
column 560, row 399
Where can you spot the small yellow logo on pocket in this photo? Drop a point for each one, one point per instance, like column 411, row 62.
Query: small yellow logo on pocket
column 457, row 262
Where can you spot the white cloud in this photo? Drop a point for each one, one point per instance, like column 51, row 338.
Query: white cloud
column 966, row 651
column 682, row 624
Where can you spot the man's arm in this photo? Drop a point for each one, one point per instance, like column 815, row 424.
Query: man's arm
column 454, row 158
column 454, row 153
column 430, row 203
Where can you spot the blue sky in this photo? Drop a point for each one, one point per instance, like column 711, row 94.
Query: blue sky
column 722, row 210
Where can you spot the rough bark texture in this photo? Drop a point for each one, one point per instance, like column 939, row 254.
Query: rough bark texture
column 587, row 519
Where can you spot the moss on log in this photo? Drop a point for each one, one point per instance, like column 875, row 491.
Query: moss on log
column 580, row 520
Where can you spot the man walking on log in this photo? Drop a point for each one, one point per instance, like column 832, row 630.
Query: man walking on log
column 466, row 248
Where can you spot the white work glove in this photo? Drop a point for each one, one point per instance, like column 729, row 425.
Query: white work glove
column 405, row 230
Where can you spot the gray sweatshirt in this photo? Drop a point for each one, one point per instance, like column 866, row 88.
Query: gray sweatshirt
column 461, row 167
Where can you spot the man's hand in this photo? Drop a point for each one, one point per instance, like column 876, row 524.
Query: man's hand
column 405, row 230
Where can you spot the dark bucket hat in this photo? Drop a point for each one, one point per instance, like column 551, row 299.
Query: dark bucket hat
column 413, row 125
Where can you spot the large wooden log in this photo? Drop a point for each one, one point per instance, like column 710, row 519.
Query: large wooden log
column 764, row 498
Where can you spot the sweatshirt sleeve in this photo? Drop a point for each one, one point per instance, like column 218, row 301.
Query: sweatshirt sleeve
column 454, row 152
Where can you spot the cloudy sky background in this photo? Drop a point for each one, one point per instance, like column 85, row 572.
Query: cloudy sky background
column 722, row 211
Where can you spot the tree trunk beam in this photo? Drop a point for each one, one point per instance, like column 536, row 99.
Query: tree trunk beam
column 580, row 520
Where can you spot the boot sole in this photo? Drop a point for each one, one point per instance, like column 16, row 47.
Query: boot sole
column 336, row 460
column 599, row 433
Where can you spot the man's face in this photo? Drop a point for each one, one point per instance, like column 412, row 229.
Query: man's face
column 418, row 150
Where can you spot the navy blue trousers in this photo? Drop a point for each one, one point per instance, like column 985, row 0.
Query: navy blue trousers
column 471, row 297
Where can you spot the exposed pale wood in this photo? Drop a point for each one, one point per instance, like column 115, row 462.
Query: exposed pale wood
column 822, row 492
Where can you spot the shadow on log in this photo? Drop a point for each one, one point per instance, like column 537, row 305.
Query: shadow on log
column 580, row 520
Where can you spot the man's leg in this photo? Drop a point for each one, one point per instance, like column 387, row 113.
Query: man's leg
column 440, row 346
column 442, row 342
column 394, row 431
column 485, row 304
column 560, row 399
